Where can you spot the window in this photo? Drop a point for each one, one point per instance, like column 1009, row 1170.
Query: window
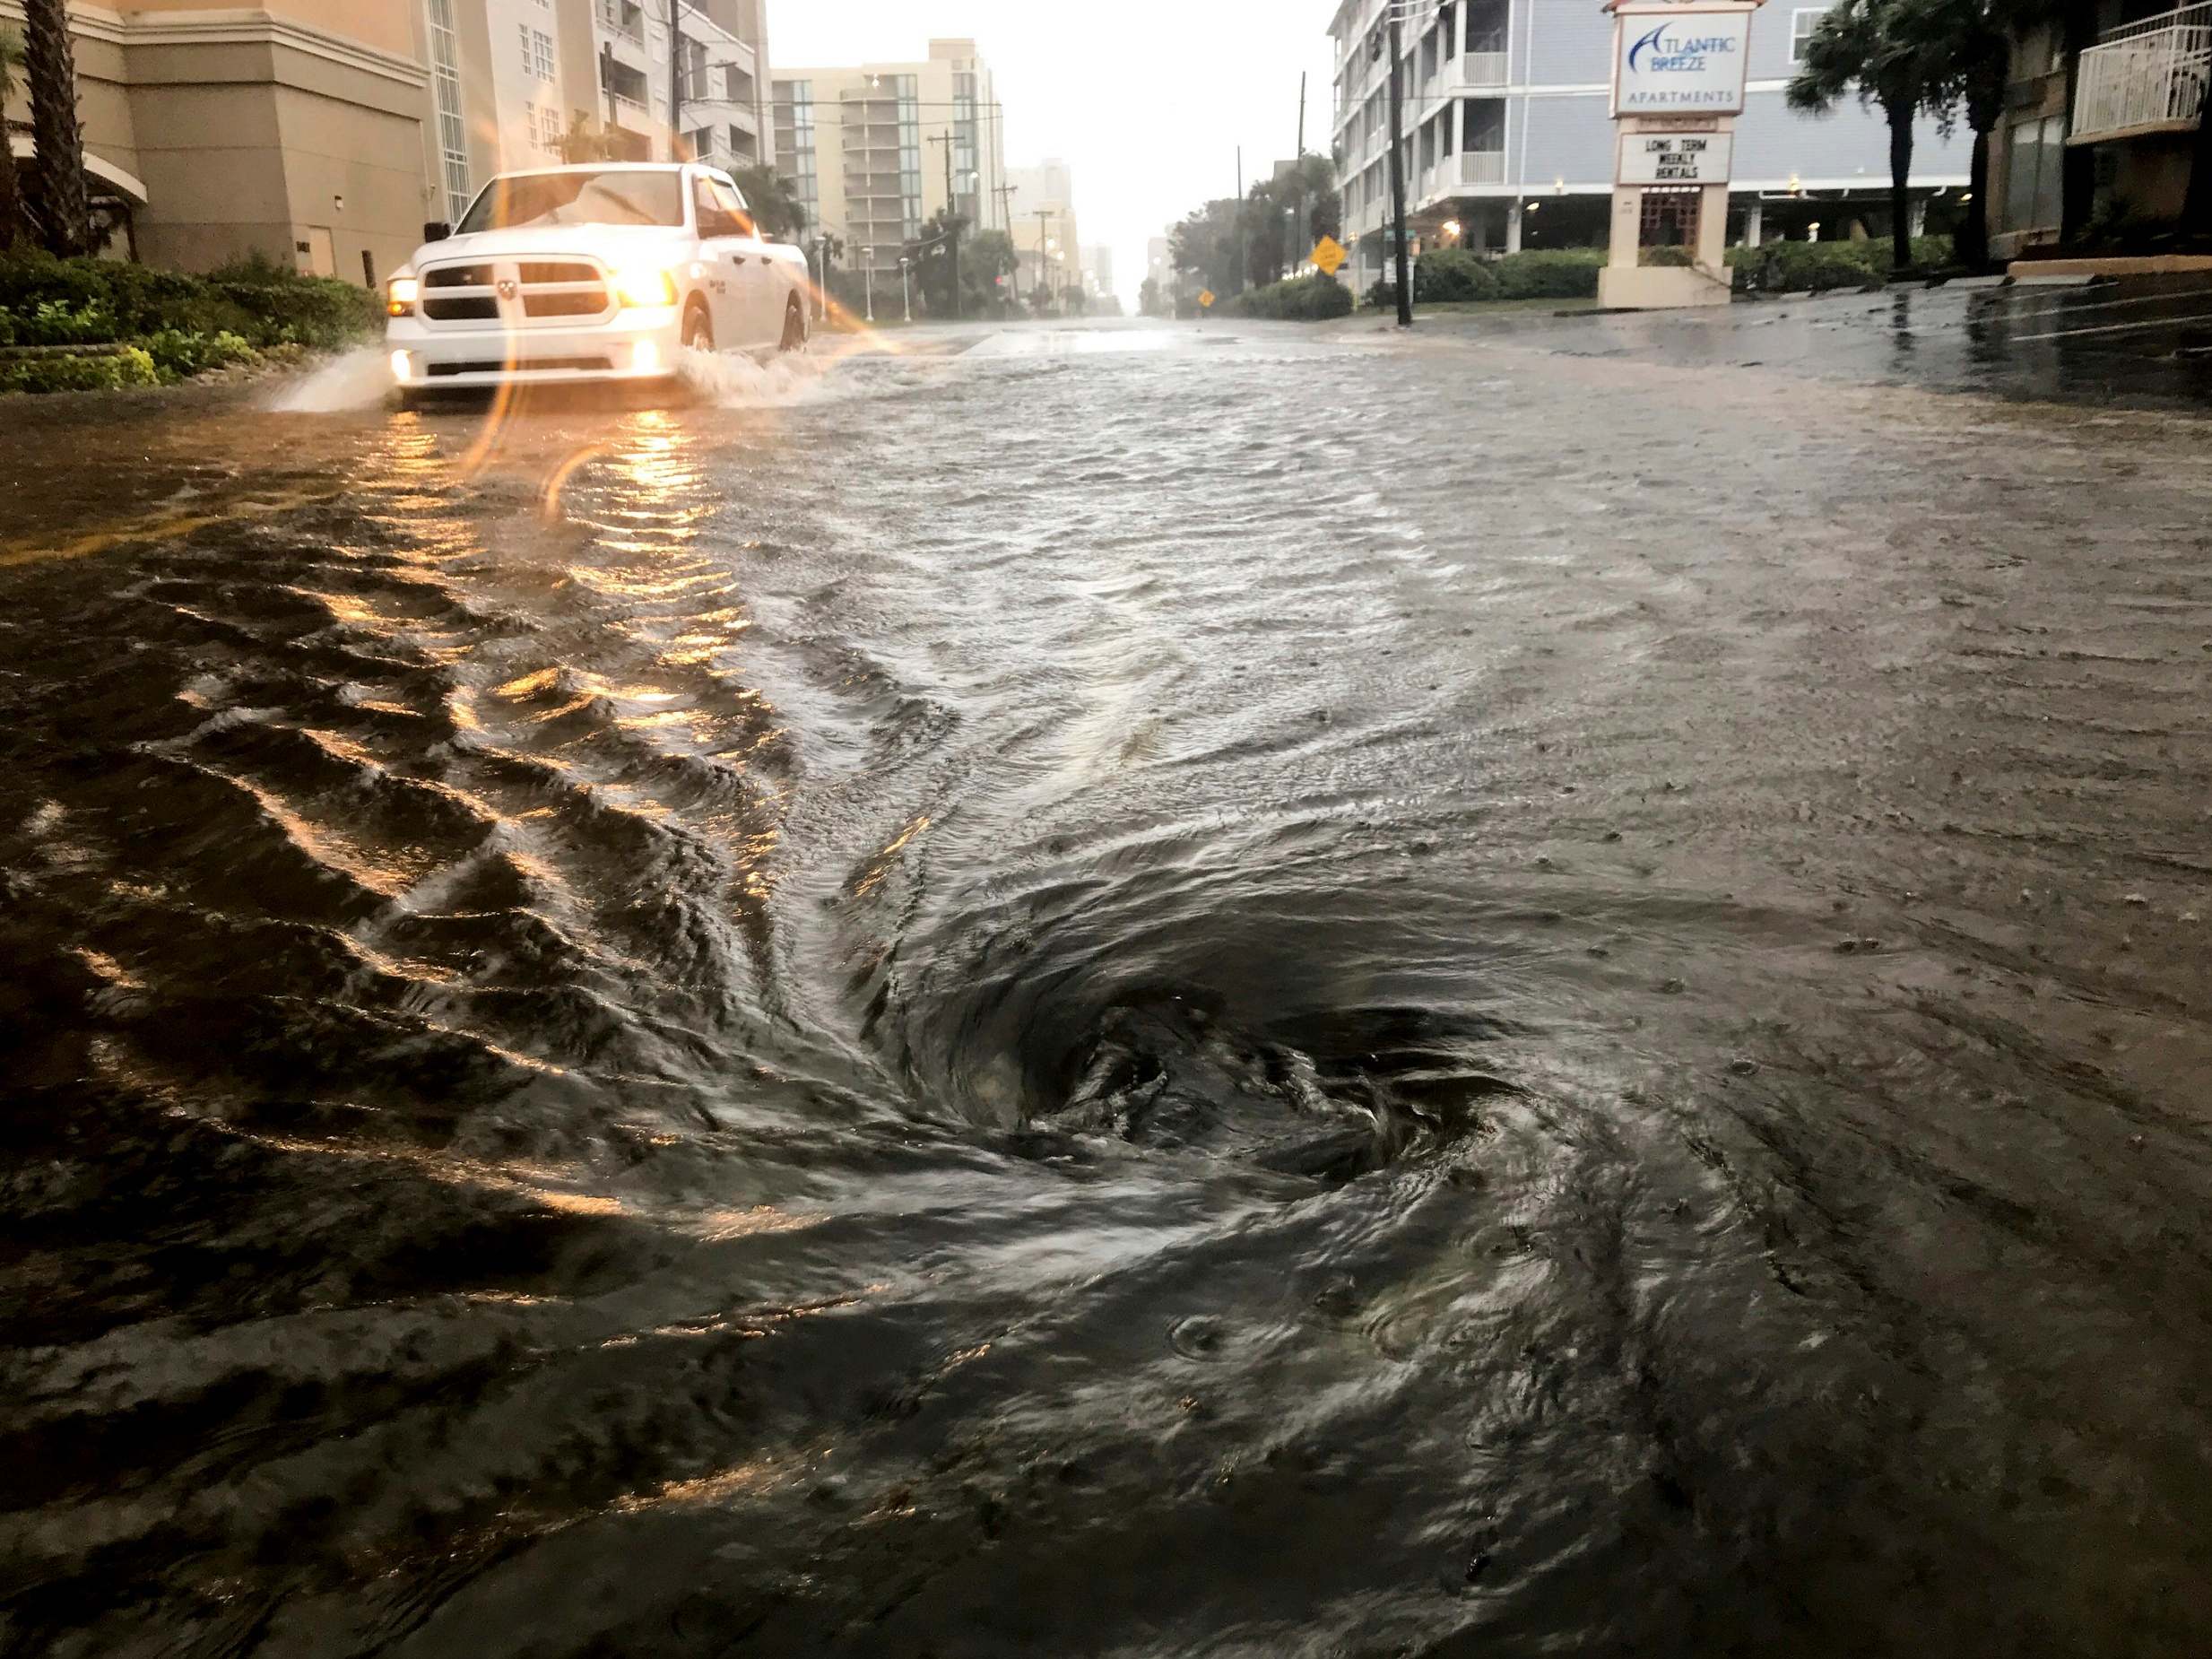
column 537, row 53
column 581, row 198
column 1802, row 22
column 2034, row 174
column 452, row 132
column 1485, row 128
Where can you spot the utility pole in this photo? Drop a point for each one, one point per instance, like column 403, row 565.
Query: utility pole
column 1240, row 220
column 606, row 82
column 1297, row 195
column 1398, row 173
column 906, row 284
column 952, row 222
column 869, row 254
column 675, row 80
column 1005, row 194
column 1043, row 216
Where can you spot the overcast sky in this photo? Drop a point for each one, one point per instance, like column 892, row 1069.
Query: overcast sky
column 1145, row 99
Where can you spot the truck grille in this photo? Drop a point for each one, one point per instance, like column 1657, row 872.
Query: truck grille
column 460, row 293
column 517, row 293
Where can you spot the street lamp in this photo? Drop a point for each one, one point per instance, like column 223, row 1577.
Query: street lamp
column 869, row 255
column 905, row 286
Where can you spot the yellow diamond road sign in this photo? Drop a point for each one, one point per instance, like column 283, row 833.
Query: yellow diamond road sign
column 1328, row 253
column 1205, row 298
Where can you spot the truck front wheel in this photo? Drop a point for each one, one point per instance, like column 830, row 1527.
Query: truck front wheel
column 699, row 328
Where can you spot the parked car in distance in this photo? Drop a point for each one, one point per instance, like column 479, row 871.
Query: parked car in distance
column 601, row 271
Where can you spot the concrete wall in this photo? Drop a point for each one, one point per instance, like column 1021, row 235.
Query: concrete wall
column 263, row 144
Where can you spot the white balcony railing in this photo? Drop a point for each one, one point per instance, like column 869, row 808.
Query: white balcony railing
column 2145, row 77
column 1472, row 167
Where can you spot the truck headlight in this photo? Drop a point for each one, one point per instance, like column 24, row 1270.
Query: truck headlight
column 645, row 285
column 400, row 296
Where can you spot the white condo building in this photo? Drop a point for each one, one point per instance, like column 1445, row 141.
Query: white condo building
column 1506, row 119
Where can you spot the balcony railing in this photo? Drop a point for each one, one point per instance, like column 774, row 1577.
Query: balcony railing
column 2146, row 77
column 1468, row 166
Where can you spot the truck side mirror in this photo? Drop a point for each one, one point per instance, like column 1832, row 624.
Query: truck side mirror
column 436, row 230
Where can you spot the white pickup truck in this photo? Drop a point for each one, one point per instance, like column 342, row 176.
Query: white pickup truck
column 600, row 272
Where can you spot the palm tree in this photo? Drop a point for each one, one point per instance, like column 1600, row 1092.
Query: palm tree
column 1971, row 75
column 1893, row 54
column 774, row 202
column 11, row 182
column 57, row 172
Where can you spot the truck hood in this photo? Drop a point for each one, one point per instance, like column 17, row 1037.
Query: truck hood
column 616, row 244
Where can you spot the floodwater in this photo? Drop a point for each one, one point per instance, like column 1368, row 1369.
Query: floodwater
column 1156, row 992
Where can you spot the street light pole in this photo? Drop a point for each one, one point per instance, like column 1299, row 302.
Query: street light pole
column 869, row 254
column 905, row 285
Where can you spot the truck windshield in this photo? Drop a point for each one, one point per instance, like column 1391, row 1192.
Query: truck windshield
column 608, row 198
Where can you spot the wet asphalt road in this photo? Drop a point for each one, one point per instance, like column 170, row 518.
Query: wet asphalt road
column 1054, row 993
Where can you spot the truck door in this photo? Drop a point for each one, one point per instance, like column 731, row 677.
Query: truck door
column 761, row 289
column 726, row 263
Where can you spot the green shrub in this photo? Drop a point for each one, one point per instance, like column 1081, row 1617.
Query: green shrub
column 1789, row 267
column 1302, row 299
column 53, row 322
column 1668, row 255
column 179, row 353
column 261, row 303
column 1550, row 274
column 1450, row 275
column 71, row 372
column 302, row 310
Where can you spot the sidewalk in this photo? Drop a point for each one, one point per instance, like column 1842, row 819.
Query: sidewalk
column 2142, row 341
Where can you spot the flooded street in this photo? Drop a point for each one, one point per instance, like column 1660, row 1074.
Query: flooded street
column 1179, row 991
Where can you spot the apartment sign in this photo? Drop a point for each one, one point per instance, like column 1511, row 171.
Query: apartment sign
column 1685, row 62
column 1651, row 158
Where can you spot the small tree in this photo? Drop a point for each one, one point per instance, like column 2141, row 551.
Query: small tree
column 985, row 257
column 1896, row 56
column 774, row 202
column 57, row 171
column 1148, row 297
column 1205, row 243
column 932, row 254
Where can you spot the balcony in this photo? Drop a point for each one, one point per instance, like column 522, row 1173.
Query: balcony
column 624, row 17
column 2146, row 77
column 1456, row 173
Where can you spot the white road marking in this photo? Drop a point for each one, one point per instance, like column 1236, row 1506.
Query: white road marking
column 2116, row 328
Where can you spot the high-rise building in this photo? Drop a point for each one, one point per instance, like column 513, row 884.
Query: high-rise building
column 1098, row 270
column 622, row 65
column 867, row 148
column 1044, row 230
column 1507, row 136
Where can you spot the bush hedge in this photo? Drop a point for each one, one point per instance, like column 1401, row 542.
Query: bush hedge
column 185, row 325
column 78, row 371
column 1301, row 299
column 1452, row 273
column 1789, row 267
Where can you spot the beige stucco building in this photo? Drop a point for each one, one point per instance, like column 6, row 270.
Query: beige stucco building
column 324, row 133
column 866, row 147
column 291, row 128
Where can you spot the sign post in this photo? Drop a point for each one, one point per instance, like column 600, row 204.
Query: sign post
column 1678, row 71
